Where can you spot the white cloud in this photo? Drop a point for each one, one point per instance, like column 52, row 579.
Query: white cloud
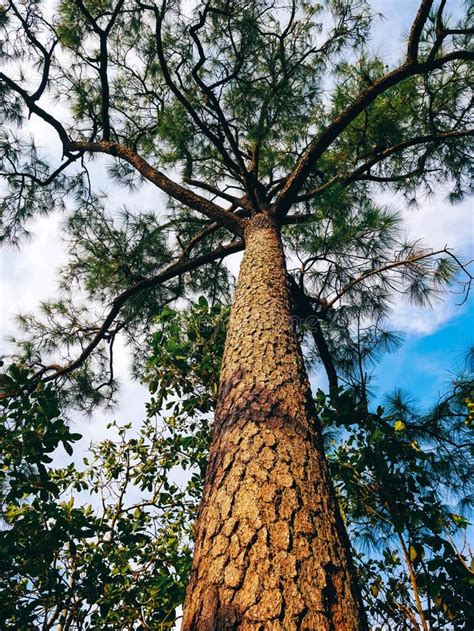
column 28, row 274
column 411, row 319
column 436, row 223
column 440, row 223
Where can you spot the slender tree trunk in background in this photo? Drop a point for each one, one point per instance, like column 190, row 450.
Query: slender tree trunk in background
column 271, row 549
column 414, row 583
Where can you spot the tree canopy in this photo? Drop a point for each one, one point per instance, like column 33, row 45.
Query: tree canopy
column 227, row 108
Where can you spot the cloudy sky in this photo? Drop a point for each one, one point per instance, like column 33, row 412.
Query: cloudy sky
column 435, row 338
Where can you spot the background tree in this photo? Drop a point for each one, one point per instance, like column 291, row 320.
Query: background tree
column 122, row 560
column 106, row 542
column 233, row 98
column 401, row 479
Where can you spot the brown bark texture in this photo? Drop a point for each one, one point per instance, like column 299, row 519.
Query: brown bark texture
column 271, row 550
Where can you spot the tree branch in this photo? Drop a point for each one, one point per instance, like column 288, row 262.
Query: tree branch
column 216, row 141
column 249, row 179
column 408, row 261
column 192, row 200
column 47, row 54
column 176, row 269
column 36, row 109
column 90, row 19
column 416, row 30
column 320, row 144
column 305, row 310
column 236, row 201
column 389, row 151
column 50, row 178
column 358, row 173
column 202, row 205
column 103, row 60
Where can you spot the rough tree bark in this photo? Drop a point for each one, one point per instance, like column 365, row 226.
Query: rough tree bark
column 271, row 549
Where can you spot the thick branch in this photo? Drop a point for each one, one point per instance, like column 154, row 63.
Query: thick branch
column 318, row 146
column 416, row 30
column 105, row 89
column 103, row 61
column 174, row 270
column 90, row 19
column 202, row 205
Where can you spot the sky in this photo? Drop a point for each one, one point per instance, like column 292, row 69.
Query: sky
column 434, row 339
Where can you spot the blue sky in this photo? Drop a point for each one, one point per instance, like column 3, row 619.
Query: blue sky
column 425, row 363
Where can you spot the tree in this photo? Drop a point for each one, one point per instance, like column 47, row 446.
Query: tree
column 233, row 98
column 118, row 561
column 403, row 477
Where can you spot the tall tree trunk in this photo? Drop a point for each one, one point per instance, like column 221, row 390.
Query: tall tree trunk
column 271, row 550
